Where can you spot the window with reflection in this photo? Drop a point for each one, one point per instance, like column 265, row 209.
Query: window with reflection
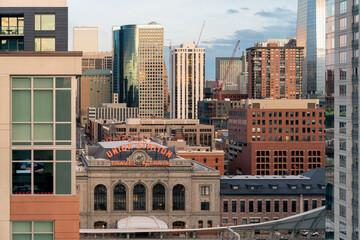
column 45, row 22
column 120, row 197
column 158, row 197
column 179, row 197
column 100, row 198
column 44, row 44
column 139, row 197
column 12, row 25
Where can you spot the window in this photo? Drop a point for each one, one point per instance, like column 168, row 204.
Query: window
column 235, row 221
column 179, row 197
column 139, row 197
column 200, row 224
column 285, row 206
column 209, row 224
column 226, row 206
column 44, row 22
column 44, row 44
column 343, row 7
column 342, row 23
column 342, row 144
column 342, row 40
column 306, row 205
column 251, row 206
column 205, row 190
column 342, row 57
column 35, row 171
column 342, row 161
column 205, row 206
column 158, row 197
column 45, row 113
column 233, row 206
column 120, row 197
column 314, row 204
column 259, row 206
column 100, row 198
column 342, row 177
column 342, row 211
column 342, row 127
column 342, row 73
column 244, row 221
column 225, row 221
column 276, row 207
column 342, row 111
column 242, row 206
column 342, row 90
column 293, row 206
column 32, row 230
column 268, row 206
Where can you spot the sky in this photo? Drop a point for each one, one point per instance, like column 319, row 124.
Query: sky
column 226, row 22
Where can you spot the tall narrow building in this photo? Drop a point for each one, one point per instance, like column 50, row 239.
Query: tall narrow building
column 346, row 114
column 138, row 67
column 187, row 80
column 275, row 69
column 310, row 34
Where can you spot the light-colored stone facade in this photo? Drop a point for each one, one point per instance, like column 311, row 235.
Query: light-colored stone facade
column 192, row 175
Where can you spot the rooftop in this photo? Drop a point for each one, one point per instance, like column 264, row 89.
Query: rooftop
column 96, row 72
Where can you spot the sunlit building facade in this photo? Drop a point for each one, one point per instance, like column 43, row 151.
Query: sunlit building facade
column 138, row 67
column 311, row 35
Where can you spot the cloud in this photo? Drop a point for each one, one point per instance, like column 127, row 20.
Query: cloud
column 278, row 13
column 245, row 8
column 232, row 11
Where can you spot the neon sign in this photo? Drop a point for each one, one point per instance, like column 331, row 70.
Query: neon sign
column 139, row 145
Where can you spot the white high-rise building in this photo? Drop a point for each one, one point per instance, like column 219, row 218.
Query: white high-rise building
column 86, row 39
column 187, row 80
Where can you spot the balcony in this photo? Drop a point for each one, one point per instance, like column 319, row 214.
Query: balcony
column 355, row 26
column 355, row 78
column 355, row 43
column 355, row 61
column 355, row 9
column 12, row 31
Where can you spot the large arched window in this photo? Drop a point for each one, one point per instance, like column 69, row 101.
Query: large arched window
column 158, row 197
column 179, row 197
column 100, row 225
column 120, row 197
column 139, row 197
column 100, row 198
column 178, row 225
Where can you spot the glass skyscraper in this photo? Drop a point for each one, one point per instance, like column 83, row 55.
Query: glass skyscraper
column 311, row 35
column 138, row 67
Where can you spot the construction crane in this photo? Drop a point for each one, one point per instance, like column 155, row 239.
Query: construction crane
column 202, row 28
column 220, row 85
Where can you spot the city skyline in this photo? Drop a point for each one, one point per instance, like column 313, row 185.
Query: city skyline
column 254, row 23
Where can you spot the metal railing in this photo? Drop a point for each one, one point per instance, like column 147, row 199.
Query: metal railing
column 12, row 30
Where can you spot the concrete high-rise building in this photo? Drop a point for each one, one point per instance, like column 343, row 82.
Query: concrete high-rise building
column 310, row 34
column 346, row 115
column 237, row 76
column 86, row 39
column 100, row 60
column 138, row 67
column 34, row 25
column 187, row 80
column 275, row 69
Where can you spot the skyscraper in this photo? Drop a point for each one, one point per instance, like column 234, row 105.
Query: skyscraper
column 187, row 80
column 86, row 39
column 310, row 34
column 138, row 67
column 275, row 69
column 346, row 114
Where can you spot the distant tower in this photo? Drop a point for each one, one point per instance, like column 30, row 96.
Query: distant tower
column 187, row 80
column 138, row 67
column 86, row 39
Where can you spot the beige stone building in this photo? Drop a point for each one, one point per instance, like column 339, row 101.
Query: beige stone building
column 86, row 39
column 119, row 179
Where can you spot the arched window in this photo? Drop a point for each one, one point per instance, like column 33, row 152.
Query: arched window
column 159, row 197
column 100, row 225
column 200, row 224
column 100, row 198
column 178, row 225
column 139, row 197
column 209, row 224
column 120, row 197
column 179, row 197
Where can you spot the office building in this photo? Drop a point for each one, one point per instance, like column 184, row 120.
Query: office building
column 236, row 78
column 310, row 34
column 85, row 39
column 112, row 111
column 138, row 67
column 276, row 137
column 275, row 69
column 187, row 80
column 346, row 114
column 34, row 25
column 255, row 199
column 38, row 195
column 122, row 179
column 95, row 88
column 100, row 60
column 166, row 92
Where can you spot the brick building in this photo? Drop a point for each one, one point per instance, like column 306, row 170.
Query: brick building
column 255, row 199
column 275, row 69
column 276, row 137
column 213, row 158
